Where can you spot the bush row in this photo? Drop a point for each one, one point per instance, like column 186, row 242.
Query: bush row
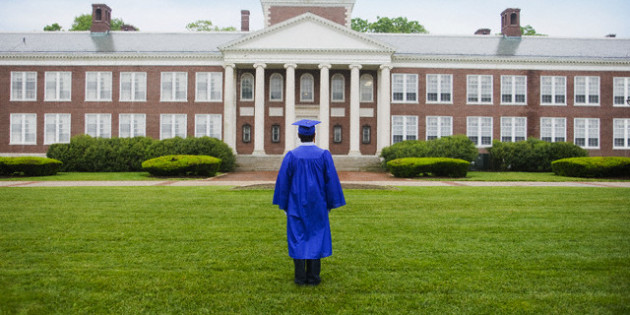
column 442, row 167
column 182, row 165
column 533, row 155
column 592, row 167
column 29, row 166
column 457, row 147
column 88, row 154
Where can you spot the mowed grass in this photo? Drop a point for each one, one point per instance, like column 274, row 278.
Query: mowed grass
column 199, row 250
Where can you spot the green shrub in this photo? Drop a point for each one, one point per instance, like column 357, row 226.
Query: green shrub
column 29, row 166
column 456, row 147
column 442, row 167
column 195, row 146
column 533, row 155
column 182, row 165
column 592, row 167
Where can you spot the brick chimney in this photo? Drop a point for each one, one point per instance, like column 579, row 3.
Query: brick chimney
column 101, row 18
column 244, row 20
column 483, row 31
column 511, row 23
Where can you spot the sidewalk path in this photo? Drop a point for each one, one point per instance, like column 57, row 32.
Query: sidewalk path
column 261, row 178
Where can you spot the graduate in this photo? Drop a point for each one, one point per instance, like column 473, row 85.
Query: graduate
column 307, row 188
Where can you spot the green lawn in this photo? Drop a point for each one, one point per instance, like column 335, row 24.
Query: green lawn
column 441, row 250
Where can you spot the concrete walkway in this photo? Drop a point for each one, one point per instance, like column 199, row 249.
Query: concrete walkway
column 269, row 177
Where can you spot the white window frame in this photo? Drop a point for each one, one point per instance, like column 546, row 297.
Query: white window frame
column 274, row 87
column 27, row 124
column 621, row 129
column 366, row 88
column 335, row 88
column 23, row 85
column 556, row 88
column 477, row 126
column 173, row 120
column 177, row 80
column 103, row 82
column 478, row 86
column 61, row 80
column 250, row 77
column 209, row 87
column 514, row 128
column 275, row 133
column 404, row 126
column 590, row 125
column 440, row 84
column 590, row 88
column 625, row 91
column 307, row 88
column 438, row 127
column 137, row 84
column 403, row 83
column 137, row 125
column 103, row 125
column 208, row 125
column 554, row 128
column 513, row 86
column 61, row 125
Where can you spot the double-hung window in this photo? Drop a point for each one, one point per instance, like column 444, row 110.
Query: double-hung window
column 133, row 86
column 553, row 129
column 132, row 125
column 404, row 88
column 56, row 128
column 439, row 126
column 174, row 86
column 247, row 87
column 23, row 86
column 439, row 88
column 338, row 87
column 23, row 129
column 621, row 133
column 621, row 91
column 58, row 86
column 173, row 125
column 587, row 91
column 553, row 90
column 513, row 90
column 479, row 89
column 404, row 128
column 209, row 87
column 208, row 125
column 307, row 86
column 586, row 132
column 98, row 125
column 275, row 87
column 366, row 86
column 98, row 86
column 513, row 129
column 479, row 131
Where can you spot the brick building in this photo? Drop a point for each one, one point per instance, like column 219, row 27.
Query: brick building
column 369, row 90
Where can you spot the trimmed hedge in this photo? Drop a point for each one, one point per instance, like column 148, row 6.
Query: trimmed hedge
column 592, row 167
column 456, row 147
column 182, row 165
column 442, row 167
column 533, row 155
column 29, row 166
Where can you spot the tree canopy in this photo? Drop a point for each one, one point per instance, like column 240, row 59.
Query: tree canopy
column 206, row 26
column 528, row 30
column 387, row 25
column 53, row 27
column 84, row 23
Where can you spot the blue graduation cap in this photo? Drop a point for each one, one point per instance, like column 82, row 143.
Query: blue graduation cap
column 306, row 126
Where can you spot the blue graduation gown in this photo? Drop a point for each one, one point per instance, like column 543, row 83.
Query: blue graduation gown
column 307, row 187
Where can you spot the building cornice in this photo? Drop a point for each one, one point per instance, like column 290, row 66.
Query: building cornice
column 110, row 59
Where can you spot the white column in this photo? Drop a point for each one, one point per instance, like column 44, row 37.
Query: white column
column 354, row 110
column 383, row 116
column 323, row 132
column 259, row 110
column 229, row 108
column 290, row 132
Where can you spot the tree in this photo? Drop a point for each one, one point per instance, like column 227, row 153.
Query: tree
column 84, row 23
column 528, row 30
column 388, row 25
column 206, row 26
column 53, row 28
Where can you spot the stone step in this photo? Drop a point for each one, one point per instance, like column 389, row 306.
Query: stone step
column 273, row 162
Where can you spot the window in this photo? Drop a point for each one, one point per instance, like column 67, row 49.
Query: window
column 306, row 87
column 404, row 128
column 479, row 131
column 439, row 126
column 247, row 87
column 337, row 134
column 586, row 132
column 208, row 125
column 209, row 87
column 586, row 90
column 23, row 86
column 366, row 83
column 133, row 86
column 404, row 88
column 173, row 125
column 553, row 90
column 247, row 133
column 98, row 86
column 338, row 84
column 98, row 125
column 553, row 129
column 479, row 89
column 132, row 125
column 513, row 129
column 174, row 86
column 366, row 134
column 275, row 87
column 439, row 88
column 621, row 133
column 513, row 90
column 275, row 133
column 23, row 129
column 58, row 86
column 621, row 91
column 56, row 128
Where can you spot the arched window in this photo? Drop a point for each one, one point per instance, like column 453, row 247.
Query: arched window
column 247, row 133
column 366, row 134
column 337, row 134
column 367, row 88
column 513, row 19
column 247, row 87
column 275, row 87
column 338, row 88
column 275, row 133
column 307, row 85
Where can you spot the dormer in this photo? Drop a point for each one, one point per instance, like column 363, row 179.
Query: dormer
column 277, row 11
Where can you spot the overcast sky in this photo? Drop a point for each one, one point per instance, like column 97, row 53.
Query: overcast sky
column 558, row 18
